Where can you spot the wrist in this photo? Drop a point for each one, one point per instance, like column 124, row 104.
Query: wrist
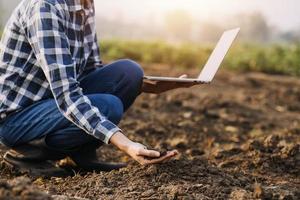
column 121, row 141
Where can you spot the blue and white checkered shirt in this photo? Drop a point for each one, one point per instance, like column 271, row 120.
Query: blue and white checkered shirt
column 45, row 46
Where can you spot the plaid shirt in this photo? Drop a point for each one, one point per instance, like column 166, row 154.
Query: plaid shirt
column 45, row 47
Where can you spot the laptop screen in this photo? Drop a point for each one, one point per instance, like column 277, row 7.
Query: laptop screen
column 218, row 55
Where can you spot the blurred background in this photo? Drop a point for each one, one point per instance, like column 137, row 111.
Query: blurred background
column 183, row 32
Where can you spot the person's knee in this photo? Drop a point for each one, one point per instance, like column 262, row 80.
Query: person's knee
column 133, row 70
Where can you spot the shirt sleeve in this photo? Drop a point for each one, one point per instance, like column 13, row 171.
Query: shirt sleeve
column 94, row 59
column 46, row 34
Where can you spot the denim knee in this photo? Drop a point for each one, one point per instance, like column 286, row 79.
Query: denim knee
column 109, row 105
column 133, row 72
column 133, row 69
column 115, row 113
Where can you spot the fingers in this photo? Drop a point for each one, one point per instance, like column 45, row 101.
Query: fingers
column 183, row 76
column 148, row 153
column 162, row 159
column 152, row 82
column 168, row 156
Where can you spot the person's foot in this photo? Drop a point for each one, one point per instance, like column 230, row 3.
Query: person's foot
column 36, row 151
column 88, row 161
column 85, row 158
column 95, row 166
column 35, row 157
column 20, row 164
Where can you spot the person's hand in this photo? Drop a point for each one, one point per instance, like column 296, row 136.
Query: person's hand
column 157, row 87
column 139, row 152
column 142, row 155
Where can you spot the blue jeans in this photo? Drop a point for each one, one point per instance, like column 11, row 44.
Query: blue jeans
column 112, row 89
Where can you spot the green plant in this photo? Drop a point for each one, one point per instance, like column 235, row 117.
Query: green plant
column 275, row 59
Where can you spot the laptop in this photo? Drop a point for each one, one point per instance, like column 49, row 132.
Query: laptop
column 211, row 67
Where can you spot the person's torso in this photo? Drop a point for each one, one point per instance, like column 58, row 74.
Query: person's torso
column 22, row 80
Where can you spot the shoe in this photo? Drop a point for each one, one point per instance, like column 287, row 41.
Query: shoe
column 34, row 158
column 18, row 164
column 36, row 151
column 86, row 159
column 37, row 154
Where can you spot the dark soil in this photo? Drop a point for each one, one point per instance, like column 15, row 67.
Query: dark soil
column 238, row 138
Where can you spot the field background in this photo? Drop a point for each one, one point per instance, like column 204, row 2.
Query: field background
column 182, row 34
column 238, row 138
column 272, row 58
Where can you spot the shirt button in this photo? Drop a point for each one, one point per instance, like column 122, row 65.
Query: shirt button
column 3, row 115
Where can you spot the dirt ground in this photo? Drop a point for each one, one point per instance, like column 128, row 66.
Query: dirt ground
column 238, row 138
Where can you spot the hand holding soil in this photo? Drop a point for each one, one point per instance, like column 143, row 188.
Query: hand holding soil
column 147, row 156
column 139, row 152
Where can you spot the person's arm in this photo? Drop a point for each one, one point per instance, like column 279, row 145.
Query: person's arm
column 46, row 33
column 94, row 59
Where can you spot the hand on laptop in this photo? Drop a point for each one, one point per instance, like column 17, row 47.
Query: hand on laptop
column 157, row 87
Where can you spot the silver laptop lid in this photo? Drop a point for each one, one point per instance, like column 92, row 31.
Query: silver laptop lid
column 218, row 55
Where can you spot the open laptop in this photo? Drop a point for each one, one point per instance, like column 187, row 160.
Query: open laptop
column 210, row 69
